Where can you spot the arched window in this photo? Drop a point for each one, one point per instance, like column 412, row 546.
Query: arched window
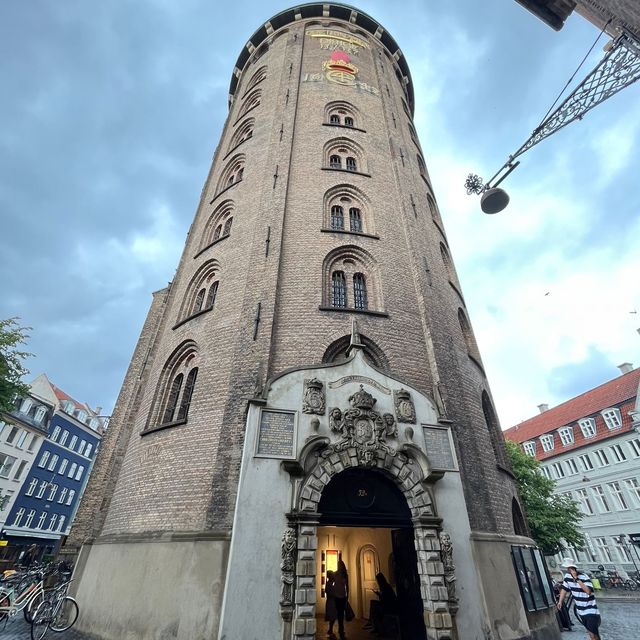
column 232, row 173
column 495, row 433
column 519, row 523
column 172, row 400
column 337, row 217
column 338, row 289
column 359, row 291
column 337, row 352
column 422, row 167
column 355, row 219
column 250, row 102
column 199, row 300
column 470, row 342
column 256, row 78
column 344, row 153
column 185, row 402
column 218, row 225
column 211, row 296
column 341, row 113
column 448, row 265
column 351, row 280
column 202, row 290
column 244, row 132
column 175, row 389
column 352, row 201
column 433, row 209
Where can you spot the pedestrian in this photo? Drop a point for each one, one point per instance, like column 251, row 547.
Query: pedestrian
column 563, row 616
column 330, row 613
column 341, row 594
column 579, row 585
column 386, row 605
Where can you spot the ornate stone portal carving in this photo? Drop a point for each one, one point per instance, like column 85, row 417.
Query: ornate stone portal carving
column 446, row 550
column 363, row 428
column 287, row 566
column 313, row 399
column 405, row 409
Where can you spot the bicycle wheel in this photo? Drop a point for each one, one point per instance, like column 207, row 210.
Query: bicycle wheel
column 31, row 607
column 632, row 585
column 41, row 619
column 65, row 615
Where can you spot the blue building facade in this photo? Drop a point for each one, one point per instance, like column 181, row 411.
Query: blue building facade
column 48, row 499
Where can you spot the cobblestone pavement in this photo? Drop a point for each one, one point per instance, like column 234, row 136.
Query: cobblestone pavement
column 620, row 621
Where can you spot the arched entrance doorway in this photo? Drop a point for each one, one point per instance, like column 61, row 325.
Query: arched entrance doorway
column 363, row 517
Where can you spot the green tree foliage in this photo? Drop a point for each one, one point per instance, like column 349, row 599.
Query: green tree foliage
column 12, row 370
column 553, row 519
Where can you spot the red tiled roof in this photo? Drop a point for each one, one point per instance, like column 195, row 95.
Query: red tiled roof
column 61, row 395
column 609, row 394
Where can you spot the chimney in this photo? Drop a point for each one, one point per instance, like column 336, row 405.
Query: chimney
column 625, row 367
column 543, row 407
column 98, row 410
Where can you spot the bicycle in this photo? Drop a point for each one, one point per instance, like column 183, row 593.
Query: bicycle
column 21, row 592
column 58, row 612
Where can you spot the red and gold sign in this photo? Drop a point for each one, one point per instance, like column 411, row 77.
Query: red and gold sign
column 340, row 69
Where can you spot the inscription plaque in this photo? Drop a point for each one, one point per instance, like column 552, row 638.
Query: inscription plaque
column 439, row 448
column 276, row 434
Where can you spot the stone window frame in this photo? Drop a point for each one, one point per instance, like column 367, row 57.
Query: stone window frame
column 250, row 102
column 243, row 133
column 415, row 483
column 259, row 76
column 231, row 174
column 348, row 197
column 195, row 303
column 224, row 212
column 352, row 260
column 172, row 388
column 342, row 110
column 346, row 150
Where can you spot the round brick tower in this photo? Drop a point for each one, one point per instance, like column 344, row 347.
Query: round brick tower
column 318, row 211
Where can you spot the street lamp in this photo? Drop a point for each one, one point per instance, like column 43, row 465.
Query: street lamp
column 619, row 68
column 621, row 539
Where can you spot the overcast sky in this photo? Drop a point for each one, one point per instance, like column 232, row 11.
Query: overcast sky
column 110, row 113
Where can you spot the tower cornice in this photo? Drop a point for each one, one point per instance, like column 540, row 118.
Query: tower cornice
column 322, row 10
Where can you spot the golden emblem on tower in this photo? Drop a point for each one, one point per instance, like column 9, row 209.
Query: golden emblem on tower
column 340, row 69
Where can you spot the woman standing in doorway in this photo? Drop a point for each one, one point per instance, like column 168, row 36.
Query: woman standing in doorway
column 341, row 593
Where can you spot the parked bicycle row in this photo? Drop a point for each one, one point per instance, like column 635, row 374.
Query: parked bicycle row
column 40, row 593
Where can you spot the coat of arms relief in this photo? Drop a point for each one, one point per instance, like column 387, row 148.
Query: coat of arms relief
column 363, row 428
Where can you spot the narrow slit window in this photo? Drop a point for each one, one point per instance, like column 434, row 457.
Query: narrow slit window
column 199, row 300
column 188, row 392
column 337, row 217
column 211, row 298
column 172, row 400
column 227, row 227
column 359, row 291
column 355, row 219
column 338, row 290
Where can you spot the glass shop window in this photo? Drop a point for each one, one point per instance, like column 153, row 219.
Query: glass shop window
column 533, row 578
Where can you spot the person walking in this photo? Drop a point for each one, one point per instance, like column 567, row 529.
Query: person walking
column 341, row 593
column 331, row 612
column 579, row 585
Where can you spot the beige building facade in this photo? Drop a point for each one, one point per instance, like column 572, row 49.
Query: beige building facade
column 308, row 387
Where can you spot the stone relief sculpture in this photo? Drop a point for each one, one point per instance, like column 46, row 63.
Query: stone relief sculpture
column 313, row 398
column 363, row 428
column 405, row 409
column 446, row 550
column 287, row 566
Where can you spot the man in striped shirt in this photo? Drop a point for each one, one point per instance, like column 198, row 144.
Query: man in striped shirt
column 579, row 585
